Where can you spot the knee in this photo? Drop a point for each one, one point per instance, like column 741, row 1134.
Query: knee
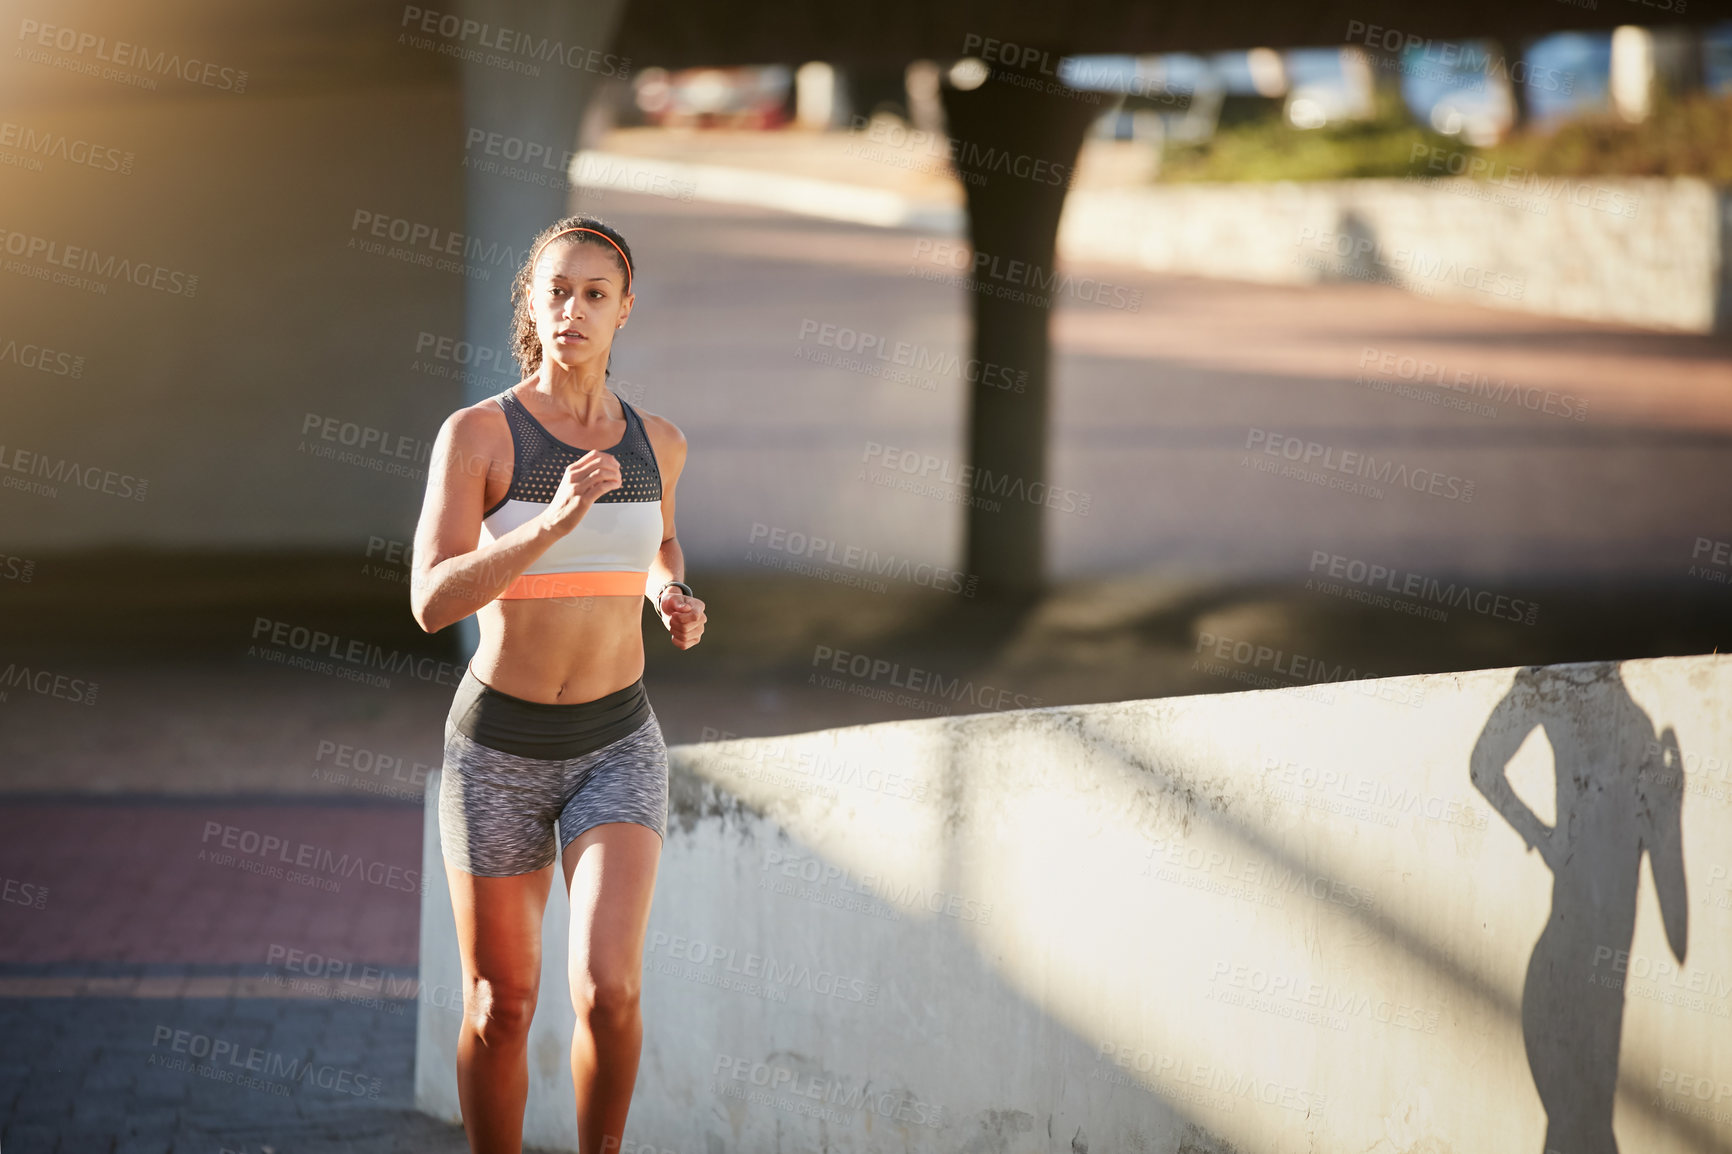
column 610, row 993
column 499, row 1011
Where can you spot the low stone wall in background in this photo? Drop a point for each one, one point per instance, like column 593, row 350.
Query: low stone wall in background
column 1643, row 251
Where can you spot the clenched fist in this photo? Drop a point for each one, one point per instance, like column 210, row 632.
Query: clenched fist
column 584, row 480
column 683, row 615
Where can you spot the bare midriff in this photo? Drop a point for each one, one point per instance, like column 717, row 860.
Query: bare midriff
column 560, row 649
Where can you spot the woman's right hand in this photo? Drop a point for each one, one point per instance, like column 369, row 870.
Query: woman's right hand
column 585, row 479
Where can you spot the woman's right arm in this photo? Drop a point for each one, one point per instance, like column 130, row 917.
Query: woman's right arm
column 450, row 577
column 1488, row 769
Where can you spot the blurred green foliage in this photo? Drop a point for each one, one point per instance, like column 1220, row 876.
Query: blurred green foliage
column 1690, row 137
column 1272, row 149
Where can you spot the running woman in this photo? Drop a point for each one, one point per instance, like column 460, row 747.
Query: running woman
column 549, row 514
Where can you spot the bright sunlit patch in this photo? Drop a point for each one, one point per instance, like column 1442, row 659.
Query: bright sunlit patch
column 969, row 73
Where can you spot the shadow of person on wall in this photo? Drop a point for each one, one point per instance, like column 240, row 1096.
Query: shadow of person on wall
column 1355, row 248
column 1619, row 795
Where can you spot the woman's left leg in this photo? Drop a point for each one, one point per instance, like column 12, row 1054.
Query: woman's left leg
column 610, row 873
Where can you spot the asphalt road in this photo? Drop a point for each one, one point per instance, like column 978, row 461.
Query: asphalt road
column 1449, row 439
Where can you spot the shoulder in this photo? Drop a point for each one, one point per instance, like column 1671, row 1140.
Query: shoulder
column 665, row 436
column 479, row 426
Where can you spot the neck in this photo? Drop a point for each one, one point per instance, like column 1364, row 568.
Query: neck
column 577, row 390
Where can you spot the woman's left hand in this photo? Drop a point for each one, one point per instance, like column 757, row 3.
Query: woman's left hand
column 684, row 617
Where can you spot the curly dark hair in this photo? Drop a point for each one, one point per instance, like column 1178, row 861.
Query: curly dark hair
column 525, row 343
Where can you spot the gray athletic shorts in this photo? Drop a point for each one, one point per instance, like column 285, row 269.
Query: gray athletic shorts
column 522, row 779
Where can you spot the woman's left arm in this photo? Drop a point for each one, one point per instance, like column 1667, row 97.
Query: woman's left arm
column 683, row 615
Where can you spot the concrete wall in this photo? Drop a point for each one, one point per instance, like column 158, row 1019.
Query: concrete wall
column 288, row 397
column 1643, row 251
column 1276, row 921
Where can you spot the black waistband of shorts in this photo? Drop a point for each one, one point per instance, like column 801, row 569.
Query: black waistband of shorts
column 549, row 730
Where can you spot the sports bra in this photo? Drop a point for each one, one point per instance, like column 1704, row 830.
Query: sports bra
column 608, row 553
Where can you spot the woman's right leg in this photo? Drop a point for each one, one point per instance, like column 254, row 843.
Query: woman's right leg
column 499, row 941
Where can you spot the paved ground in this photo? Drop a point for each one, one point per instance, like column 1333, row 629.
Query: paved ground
column 159, row 880
column 96, row 1075
column 163, row 988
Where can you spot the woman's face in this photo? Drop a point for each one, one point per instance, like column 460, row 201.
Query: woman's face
column 578, row 303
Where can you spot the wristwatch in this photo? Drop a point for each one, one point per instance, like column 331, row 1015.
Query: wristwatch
column 664, row 589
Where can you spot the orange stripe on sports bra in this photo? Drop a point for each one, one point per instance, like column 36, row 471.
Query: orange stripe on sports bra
column 614, row 584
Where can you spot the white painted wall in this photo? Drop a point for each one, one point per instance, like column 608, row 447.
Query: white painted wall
column 1274, row 921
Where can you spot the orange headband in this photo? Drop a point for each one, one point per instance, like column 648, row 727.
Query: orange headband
column 584, row 228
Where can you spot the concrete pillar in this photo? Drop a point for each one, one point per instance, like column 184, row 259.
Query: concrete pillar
column 923, row 79
column 1013, row 227
column 1268, row 71
column 1680, row 62
column 1632, row 72
column 818, row 98
column 533, row 83
column 1509, row 74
